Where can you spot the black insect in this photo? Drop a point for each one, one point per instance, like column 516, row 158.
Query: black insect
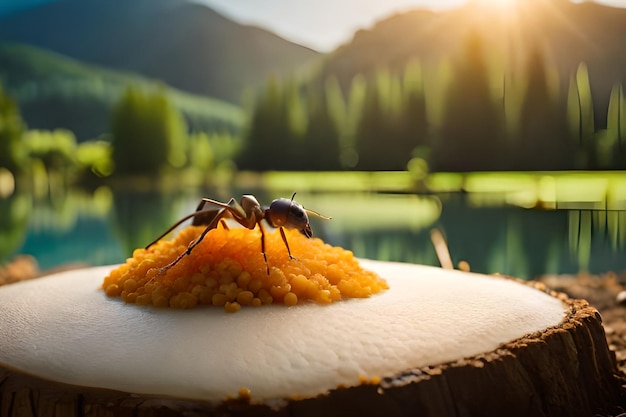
column 248, row 212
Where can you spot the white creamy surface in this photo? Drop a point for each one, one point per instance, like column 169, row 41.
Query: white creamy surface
column 64, row 328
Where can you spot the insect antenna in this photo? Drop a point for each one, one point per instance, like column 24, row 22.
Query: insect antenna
column 311, row 212
column 316, row 214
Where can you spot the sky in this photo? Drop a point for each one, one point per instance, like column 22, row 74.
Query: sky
column 325, row 24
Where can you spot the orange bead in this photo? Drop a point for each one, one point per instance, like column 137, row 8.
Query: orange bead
column 228, row 270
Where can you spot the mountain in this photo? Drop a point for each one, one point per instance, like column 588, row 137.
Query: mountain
column 54, row 91
column 567, row 34
column 8, row 7
column 185, row 44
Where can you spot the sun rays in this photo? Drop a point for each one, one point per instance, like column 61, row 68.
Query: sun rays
column 503, row 8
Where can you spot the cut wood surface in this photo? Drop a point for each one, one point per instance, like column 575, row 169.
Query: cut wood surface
column 563, row 369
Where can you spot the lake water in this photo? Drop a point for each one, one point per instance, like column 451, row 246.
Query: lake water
column 102, row 227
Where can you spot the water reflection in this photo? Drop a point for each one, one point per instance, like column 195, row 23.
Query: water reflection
column 510, row 240
column 14, row 214
column 589, row 230
column 138, row 217
column 102, row 226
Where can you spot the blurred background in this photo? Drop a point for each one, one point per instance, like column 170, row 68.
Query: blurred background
column 502, row 123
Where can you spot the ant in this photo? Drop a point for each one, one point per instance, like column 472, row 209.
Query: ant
column 248, row 213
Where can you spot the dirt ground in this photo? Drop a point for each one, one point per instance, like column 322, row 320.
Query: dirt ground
column 607, row 293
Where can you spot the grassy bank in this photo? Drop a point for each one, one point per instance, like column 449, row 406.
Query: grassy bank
column 601, row 190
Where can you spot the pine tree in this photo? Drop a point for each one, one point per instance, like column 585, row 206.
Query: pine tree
column 321, row 139
column 384, row 139
column 148, row 133
column 354, row 113
column 544, row 142
column 264, row 141
column 372, row 133
column 471, row 136
column 412, row 126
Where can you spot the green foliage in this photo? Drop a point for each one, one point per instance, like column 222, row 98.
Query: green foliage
column 372, row 107
column 95, row 156
column 396, row 121
column 200, row 51
column 471, row 137
column 543, row 141
column 55, row 149
column 585, row 101
column 267, row 141
column 581, row 117
column 41, row 152
column 296, row 112
column 354, row 113
column 291, row 128
column 298, row 126
column 393, row 120
column 374, row 123
column 616, row 126
column 321, row 142
column 14, row 213
column 11, row 130
column 224, row 147
column 55, row 91
column 343, row 126
column 148, row 134
column 413, row 125
column 201, row 155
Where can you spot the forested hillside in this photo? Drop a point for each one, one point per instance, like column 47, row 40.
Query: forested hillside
column 538, row 86
column 182, row 43
column 53, row 92
column 565, row 33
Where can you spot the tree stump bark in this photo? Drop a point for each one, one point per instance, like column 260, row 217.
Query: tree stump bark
column 564, row 370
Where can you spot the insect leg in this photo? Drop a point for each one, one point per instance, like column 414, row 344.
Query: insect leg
column 202, row 215
column 267, row 266
column 282, row 234
column 174, row 226
column 196, row 241
column 205, row 213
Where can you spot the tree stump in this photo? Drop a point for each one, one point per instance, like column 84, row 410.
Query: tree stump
column 437, row 343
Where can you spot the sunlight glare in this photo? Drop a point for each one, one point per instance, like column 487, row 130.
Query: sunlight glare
column 502, row 6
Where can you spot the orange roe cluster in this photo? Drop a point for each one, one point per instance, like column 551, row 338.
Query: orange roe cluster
column 227, row 269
